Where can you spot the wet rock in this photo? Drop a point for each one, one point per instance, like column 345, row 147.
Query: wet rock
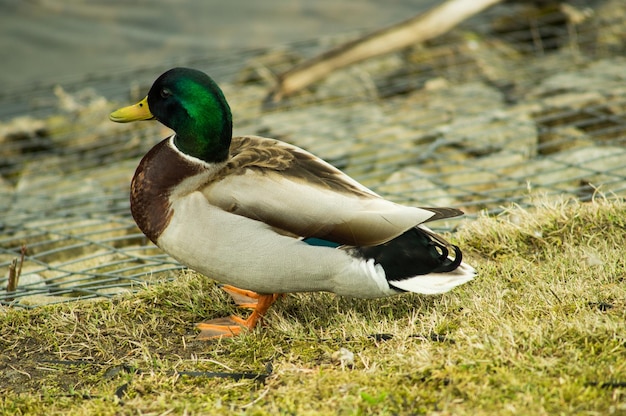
column 462, row 100
column 610, row 24
column 492, row 132
column 370, row 79
column 484, row 179
column 560, row 138
column 475, row 56
column 600, row 77
column 21, row 128
column 20, row 138
column 569, row 171
column 413, row 186
column 325, row 130
column 429, row 111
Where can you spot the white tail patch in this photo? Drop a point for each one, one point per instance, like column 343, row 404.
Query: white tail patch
column 436, row 283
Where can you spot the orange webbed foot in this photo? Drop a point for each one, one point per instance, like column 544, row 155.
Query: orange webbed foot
column 229, row 327
column 233, row 325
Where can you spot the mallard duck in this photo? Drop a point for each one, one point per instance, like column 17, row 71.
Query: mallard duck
column 266, row 218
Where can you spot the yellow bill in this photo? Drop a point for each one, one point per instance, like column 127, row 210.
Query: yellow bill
column 139, row 111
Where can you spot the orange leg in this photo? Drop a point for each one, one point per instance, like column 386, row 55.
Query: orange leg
column 233, row 325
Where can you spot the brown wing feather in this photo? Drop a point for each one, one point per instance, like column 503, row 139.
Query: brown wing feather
column 294, row 191
column 443, row 213
column 261, row 154
column 253, row 152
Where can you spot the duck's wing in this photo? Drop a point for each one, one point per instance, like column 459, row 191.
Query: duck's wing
column 300, row 194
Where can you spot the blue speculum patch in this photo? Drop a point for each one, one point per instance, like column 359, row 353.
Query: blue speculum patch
column 312, row 241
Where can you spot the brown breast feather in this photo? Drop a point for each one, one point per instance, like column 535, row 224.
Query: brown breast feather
column 159, row 171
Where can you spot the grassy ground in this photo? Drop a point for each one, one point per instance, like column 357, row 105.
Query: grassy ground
column 540, row 331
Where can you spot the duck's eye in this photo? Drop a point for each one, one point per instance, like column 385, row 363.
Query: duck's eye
column 165, row 93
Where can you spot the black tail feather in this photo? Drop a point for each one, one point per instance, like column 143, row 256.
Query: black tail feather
column 416, row 252
column 450, row 265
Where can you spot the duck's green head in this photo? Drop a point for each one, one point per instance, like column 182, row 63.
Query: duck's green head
column 189, row 102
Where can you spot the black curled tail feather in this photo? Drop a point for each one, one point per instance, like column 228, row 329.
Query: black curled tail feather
column 450, row 265
column 417, row 251
column 447, row 264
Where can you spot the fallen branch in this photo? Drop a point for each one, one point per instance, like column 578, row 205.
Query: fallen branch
column 434, row 22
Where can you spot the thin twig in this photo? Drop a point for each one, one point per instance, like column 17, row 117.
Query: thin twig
column 15, row 271
column 13, row 280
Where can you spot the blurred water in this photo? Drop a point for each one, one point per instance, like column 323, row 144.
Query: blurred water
column 47, row 41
